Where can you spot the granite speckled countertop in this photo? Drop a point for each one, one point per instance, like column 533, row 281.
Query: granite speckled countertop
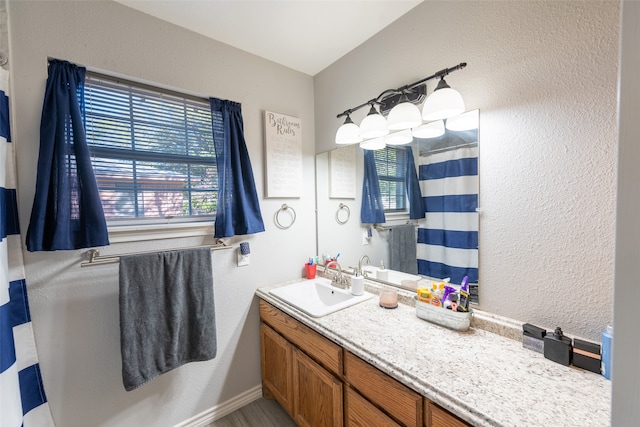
column 484, row 378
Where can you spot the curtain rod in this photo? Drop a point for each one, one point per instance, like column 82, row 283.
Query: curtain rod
column 96, row 259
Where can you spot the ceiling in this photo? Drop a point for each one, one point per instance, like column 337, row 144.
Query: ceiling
column 306, row 35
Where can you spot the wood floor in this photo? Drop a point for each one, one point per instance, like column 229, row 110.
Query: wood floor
column 260, row 413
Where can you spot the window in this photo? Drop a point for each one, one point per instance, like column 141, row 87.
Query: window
column 152, row 151
column 390, row 165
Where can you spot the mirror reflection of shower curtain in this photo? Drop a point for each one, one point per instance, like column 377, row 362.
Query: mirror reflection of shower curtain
column 448, row 237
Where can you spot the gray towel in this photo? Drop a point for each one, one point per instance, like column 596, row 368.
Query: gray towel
column 402, row 249
column 167, row 314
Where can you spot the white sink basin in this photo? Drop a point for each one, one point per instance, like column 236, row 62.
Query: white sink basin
column 317, row 297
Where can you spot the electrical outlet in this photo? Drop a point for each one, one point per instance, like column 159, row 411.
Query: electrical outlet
column 243, row 259
column 365, row 237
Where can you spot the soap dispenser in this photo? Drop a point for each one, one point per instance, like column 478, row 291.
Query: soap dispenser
column 382, row 273
column 357, row 284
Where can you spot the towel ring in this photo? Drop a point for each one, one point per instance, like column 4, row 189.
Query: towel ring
column 342, row 207
column 285, row 208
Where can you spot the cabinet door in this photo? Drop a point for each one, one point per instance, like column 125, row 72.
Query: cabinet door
column 361, row 413
column 317, row 394
column 277, row 370
column 321, row 349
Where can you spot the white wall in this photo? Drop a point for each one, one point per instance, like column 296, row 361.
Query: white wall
column 75, row 311
column 626, row 374
column 543, row 75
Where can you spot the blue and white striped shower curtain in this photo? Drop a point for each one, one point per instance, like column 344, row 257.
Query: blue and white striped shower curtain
column 448, row 237
column 22, row 398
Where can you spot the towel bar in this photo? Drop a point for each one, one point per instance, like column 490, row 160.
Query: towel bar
column 95, row 258
column 389, row 227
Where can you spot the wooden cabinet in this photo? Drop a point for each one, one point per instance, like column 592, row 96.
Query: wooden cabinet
column 301, row 369
column 277, row 361
column 397, row 400
column 321, row 385
column 435, row 416
column 317, row 394
column 325, row 352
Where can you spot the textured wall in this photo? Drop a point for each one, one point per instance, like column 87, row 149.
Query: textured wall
column 75, row 311
column 543, row 75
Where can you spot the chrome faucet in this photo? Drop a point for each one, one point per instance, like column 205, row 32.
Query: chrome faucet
column 338, row 277
column 363, row 258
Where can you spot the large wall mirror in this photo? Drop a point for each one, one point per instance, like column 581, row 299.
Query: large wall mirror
column 446, row 240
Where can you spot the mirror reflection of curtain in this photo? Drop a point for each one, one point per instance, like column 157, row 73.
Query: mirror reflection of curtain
column 372, row 209
column 448, row 238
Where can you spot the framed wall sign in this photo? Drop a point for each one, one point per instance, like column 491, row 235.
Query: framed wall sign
column 283, row 148
column 342, row 173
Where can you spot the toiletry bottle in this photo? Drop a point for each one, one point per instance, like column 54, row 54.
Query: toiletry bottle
column 424, row 294
column 448, row 290
column 607, row 347
column 463, row 304
column 382, row 273
column 436, row 294
column 453, row 302
column 357, row 285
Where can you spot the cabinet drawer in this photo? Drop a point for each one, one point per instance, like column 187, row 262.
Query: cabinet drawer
column 361, row 413
column 435, row 416
column 325, row 352
column 399, row 401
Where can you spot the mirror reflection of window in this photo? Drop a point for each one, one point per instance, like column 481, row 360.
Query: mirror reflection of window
column 390, row 165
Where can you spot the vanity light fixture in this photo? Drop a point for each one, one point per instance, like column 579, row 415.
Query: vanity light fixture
column 348, row 133
column 443, row 103
column 373, row 144
column 429, row 130
column 399, row 138
column 374, row 125
column 401, row 103
column 464, row 121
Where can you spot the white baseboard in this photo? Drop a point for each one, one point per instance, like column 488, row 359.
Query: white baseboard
column 225, row 408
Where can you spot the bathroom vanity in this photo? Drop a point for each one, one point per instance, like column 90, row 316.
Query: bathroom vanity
column 365, row 365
